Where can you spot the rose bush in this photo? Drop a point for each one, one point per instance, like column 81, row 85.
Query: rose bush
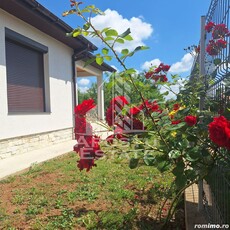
column 217, row 42
column 170, row 134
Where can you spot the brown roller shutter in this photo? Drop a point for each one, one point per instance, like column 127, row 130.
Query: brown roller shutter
column 25, row 78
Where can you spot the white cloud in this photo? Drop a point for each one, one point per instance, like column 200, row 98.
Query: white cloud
column 174, row 89
column 182, row 66
column 140, row 30
column 84, row 81
column 148, row 64
column 83, row 89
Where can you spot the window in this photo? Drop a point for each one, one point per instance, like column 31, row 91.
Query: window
column 25, row 74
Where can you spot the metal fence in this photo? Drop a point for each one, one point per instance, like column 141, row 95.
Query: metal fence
column 216, row 71
column 217, row 68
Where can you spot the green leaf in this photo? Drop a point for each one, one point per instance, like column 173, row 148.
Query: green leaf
column 109, row 39
column 85, row 33
column 76, row 33
column 133, row 163
column 126, row 33
column 192, row 138
column 141, row 48
column 105, row 51
column 85, row 10
column 89, row 61
column 108, row 58
column 120, row 40
column 193, row 154
column 128, row 38
column 179, row 169
column 125, row 51
column 176, row 126
column 149, row 160
column 138, row 49
column 163, row 166
column 174, row 154
column 217, row 61
column 162, row 163
column 190, row 174
column 86, row 26
column 166, row 93
column 111, row 32
column 130, row 71
column 180, row 181
column 98, row 11
column 99, row 60
column 105, row 29
column 91, row 7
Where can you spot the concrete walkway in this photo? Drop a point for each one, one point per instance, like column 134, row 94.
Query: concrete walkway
column 20, row 162
column 17, row 163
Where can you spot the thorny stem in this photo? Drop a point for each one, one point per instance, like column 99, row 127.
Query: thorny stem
column 170, row 212
column 150, row 146
column 125, row 68
column 162, row 206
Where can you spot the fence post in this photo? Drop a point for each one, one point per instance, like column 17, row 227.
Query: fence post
column 202, row 98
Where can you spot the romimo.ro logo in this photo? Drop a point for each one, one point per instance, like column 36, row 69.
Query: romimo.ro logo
column 211, row 226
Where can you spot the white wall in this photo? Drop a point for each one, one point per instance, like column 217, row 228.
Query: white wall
column 60, row 77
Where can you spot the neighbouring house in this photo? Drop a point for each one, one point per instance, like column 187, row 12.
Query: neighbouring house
column 38, row 69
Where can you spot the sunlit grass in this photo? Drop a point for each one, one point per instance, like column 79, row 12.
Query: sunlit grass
column 56, row 195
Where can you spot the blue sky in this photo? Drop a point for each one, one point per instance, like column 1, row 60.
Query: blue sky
column 166, row 26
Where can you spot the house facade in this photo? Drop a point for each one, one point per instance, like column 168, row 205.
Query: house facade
column 38, row 70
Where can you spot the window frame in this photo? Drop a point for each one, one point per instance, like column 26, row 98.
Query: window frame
column 30, row 44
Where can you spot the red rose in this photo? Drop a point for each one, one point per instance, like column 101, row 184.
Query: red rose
column 86, row 164
column 119, row 101
column 158, row 69
column 212, row 48
column 137, row 125
column 220, row 31
column 176, row 106
column 219, row 131
column 156, row 77
column 109, row 116
column 176, row 122
column 209, row 26
column 152, row 106
column 84, row 107
column 148, row 75
column 163, row 78
column 190, row 120
column 165, row 68
column 221, row 43
column 135, row 110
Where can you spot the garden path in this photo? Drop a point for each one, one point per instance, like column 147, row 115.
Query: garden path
column 17, row 163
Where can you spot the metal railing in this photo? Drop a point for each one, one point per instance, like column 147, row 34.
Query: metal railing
column 215, row 192
column 218, row 82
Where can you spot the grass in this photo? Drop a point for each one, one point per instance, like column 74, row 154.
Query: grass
column 55, row 195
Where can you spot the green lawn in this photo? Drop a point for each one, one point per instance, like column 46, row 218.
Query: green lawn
column 56, row 195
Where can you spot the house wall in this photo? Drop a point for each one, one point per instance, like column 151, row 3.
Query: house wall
column 58, row 71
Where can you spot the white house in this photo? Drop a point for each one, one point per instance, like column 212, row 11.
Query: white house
column 38, row 69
